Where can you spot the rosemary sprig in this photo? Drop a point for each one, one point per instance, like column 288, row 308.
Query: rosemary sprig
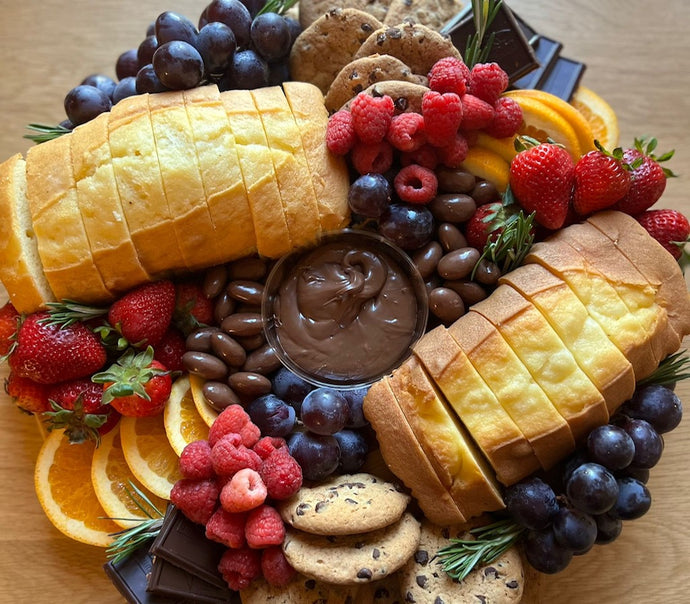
column 478, row 45
column 672, row 369
column 45, row 133
column 67, row 312
column 463, row 555
column 277, row 6
column 128, row 540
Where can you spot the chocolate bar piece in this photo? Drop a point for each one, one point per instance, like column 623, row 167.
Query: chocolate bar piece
column 184, row 544
column 130, row 577
column 563, row 78
column 510, row 48
column 167, row 579
column 546, row 51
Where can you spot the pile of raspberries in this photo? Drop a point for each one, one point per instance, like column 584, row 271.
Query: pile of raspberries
column 461, row 101
column 228, row 484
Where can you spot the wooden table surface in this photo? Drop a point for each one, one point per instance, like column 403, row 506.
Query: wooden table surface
column 637, row 60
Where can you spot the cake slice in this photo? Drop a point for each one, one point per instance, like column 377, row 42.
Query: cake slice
column 460, row 467
column 601, row 301
column 184, row 191
column 140, row 186
column 290, row 164
column 549, row 361
column 328, row 172
column 510, row 381
column 653, row 261
column 221, row 176
column 488, row 423
column 633, row 288
column 21, row 270
column 599, row 358
column 99, row 204
column 404, row 455
column 272, row 236
column 62, row 242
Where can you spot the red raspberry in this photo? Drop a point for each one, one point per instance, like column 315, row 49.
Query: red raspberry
column 452, row 156
column 443, row 113
column 170, row 349
column 340, row 133
column 245, row 491
column 268, row 444
column 281, row 474
column 488, row 81
column 275, row 567
column 229, row 455
column 240, row 567
column 507, row 118
column 227, row 528
column 406, row 132
column 234, row 419
column 426, row 156
column 449, row 74
column 264, row 527
column 371, row 116
column 477, row 114
column 416, row 184
column 196, row 499
column 195, row 460
column 376, row 158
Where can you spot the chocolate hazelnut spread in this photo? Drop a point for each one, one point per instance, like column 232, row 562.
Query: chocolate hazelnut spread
column 346, row 314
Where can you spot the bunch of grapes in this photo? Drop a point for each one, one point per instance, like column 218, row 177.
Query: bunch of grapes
column 325, row 428
column 600, row 486
column 236, row 44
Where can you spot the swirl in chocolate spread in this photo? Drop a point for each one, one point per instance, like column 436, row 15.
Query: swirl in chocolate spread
column 345, row 314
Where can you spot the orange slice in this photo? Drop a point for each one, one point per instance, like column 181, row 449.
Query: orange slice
column 579, row 123
column 600, row 115
column 542, row 122
column 149, row 454
column 505, row 147
column 183, row 423
column 62, row 479
column 112, row 481
column 488, row 165
column 207, row 413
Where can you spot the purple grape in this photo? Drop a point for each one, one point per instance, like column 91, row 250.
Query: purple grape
column 171, row 26
column 544, row 553
column 649, row 444
column 102, row 82
column 290, row 387
column 532, row 503
column 235, row 15
column 369, row 195
column 125, row 87
column 254, row 6
column 592, row 488
column 317, row 455
column 295, row 28
column 609, row 526
column 273, row 416
column 178, row 65
column 610, row 446
column 148, row 81
column 216, row 44
column 324, row 411
column 146, row 49
column 355, row 402
column 83, row 103
column 127, row 64
column 270, row 36
column 634, row 499
column 575, row 530
column 408, row 226
column 353, row 451
column 248, row 70
column 656, row 404
column 278, row 72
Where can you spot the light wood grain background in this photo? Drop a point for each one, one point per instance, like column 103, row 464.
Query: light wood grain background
column 638, row 57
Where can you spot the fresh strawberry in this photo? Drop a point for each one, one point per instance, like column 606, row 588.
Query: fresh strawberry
column 648, row 177
column 77, row 406
column 48, row 353
column 9, row 322
column 170, row 349
column 669, row 227
column 136, row 385
column 28, row 395
column 542, row 178
column 144, row 314
column 192, row 307
column 485, row 222
column 601, row 179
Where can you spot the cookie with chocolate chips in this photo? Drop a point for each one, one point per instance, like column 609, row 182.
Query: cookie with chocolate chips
column 432, row 13
column 300, row 590
column 423, row 580
column 311, row 10
column 407, row 96
column 345, row 505
column 328, row 44
column 352, row 559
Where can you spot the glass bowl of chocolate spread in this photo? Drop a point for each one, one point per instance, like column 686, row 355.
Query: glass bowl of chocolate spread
column 346, row 311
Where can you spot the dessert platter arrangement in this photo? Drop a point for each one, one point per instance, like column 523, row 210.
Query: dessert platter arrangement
column 341, row 301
